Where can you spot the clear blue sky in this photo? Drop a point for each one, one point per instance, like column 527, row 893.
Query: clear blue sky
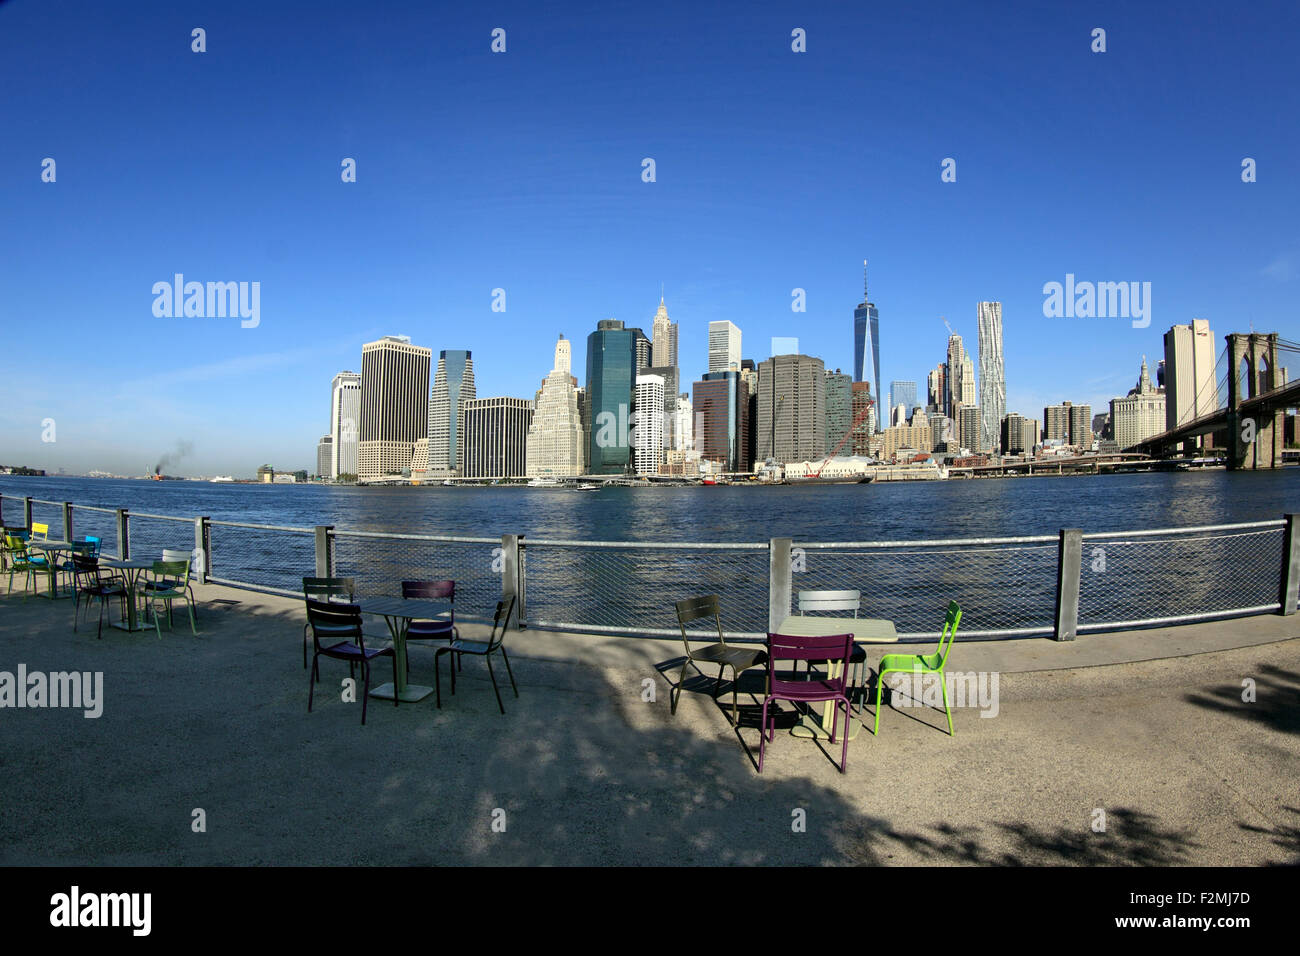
column 522, row 170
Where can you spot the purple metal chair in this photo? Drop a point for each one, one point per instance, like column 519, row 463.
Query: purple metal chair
column 333, row 622
column 436, row 630
column 833, row 649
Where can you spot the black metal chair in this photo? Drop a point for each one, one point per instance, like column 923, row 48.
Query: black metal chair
column 434, row 630
column 484, row 649
column 325, row 589
column 720, row 653
column 87, row 583
column 337, row 634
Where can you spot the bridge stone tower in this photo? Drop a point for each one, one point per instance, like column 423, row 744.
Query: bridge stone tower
column 1265, row 425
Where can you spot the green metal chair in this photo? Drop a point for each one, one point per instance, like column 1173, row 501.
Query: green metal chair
column 157, row 589
column 922, row 664
column 721, row 653
column 21, row 562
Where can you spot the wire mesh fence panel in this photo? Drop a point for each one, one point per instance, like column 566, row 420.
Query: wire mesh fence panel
column 380, row 563
column 149, row 536
column 98, row 523
column 636, row 588
column 48, row 513
column 1180, row 574
column 263, row 557
column 1000, row 587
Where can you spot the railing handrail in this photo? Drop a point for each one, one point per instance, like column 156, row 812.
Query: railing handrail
column 1196, row 529
column 256, row 527
column 454, row 539
column 663, row 545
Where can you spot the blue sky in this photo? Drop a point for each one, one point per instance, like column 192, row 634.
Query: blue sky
column 522, row 170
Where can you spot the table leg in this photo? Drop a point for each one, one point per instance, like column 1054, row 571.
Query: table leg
column 401, row 690
column 809, row 726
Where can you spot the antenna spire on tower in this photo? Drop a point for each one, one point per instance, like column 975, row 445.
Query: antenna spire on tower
column 864, row 281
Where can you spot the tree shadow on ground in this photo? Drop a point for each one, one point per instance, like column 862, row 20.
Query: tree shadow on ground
column 1276, row 705
column 1285, row 836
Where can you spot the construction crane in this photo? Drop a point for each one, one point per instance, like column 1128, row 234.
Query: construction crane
column 944, row 320
column 858, row 419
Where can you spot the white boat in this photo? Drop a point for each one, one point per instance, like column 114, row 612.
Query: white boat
column 543, row 483
column 586, row 486
column 222, row 478
column 448, row 483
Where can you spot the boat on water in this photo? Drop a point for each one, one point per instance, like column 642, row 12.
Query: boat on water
column 448, row 483
column 221, row 478
column 586, row 486
column 831, row 480
column 543, row 483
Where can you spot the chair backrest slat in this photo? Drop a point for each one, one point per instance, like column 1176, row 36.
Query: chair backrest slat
column 696, row 608
column 41, row 531
column 501, row 619
column 818, row 647
column 430, row 590
column 830, row 601
column 950, row 622
column 330, row 587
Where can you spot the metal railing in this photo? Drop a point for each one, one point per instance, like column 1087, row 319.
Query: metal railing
column 1011, row 587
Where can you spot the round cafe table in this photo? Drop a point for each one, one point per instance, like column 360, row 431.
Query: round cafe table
column 132, row 571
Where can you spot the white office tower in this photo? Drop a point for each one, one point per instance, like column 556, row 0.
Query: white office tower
column 1190, row 387
column 967, row 392
column 394, row 405
column 684, row 433
column 453, row 386
column 663, row 334
column 648, row 445
column 900, row 415
column 993, row 382
column 555, row 444
column 724, row 347
column 345, row 417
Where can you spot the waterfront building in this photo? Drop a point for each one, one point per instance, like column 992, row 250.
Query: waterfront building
column 1081, row 426
column 556, row 444
column 453, row 384
column 1019, row 434
column 839, row 407
column 902, row 393
column 684, row 429
column 663, row 332
column 420, row 461
column 968, row 427
column 862, row 408
column 1056, row 423
column 494, row 437
column 866, row 340
column 668, row 409
column 1190, row 386
column 900, row 437
column 791, row 408
column 394, row 405
column 1140, row 415
column 345, row 424
column 1101, row 425
column 899, row 415
column 648, row 433
column 724, row 347
column 940, row 429
column 722, row 422
column 992, row 381
column 324, row 456
column 935, row 393
column 749, row 375
column 611, row 380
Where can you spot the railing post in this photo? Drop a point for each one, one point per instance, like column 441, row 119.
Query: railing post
column 1069, row 563
column 67, row 521
column 780, row 587
column 1290, row 590
column 324, row 551
column 27, row 512
column 123, row 535
column 510, row 576
column 202, row 549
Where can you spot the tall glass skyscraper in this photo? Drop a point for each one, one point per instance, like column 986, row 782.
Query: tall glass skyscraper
column 866, row 343
column 453, row 386
column 611, row 385
column 993, row 382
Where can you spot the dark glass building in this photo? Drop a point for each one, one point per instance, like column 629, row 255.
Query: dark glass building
column 611, row 384
column 721, row 404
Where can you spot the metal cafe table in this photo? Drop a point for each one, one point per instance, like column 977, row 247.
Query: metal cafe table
column 52, row 550
column 132, row 573
column 398, row 613
column 865, row 630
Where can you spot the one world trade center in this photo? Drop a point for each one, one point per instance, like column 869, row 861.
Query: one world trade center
column 866, row 347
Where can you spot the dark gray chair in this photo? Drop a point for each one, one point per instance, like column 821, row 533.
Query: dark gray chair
column 720, row 653
column 325, row 589
column 483, row 649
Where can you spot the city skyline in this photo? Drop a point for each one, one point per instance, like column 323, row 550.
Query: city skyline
column 767, row 193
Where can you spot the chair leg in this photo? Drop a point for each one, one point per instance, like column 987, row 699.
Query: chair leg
column 99, row 631
column 844, row 754
column 880, row 686
column 762, row 737
column 312, row 678
column 437, row 678
column 455, row 659
column 496, row 690
column 365, row 692
column 735, row 710
column 506, row 658
column 396, row 699
column 675, row 694
column 943, row 685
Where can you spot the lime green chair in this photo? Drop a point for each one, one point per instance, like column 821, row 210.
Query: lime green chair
column 167, row 583
column 22, row 562
column 922, row 663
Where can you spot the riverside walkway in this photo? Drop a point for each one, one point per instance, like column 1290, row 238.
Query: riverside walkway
column 1148, row 726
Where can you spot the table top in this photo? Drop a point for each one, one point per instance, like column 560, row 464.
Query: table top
column 50, row 545
column 402, row 607
column 868, row 630
column 126, row 565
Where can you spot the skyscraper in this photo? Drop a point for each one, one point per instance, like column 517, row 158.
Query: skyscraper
column 1139, row 415
column 839, row 407
column 862, row 406
column 611, row 380
column 664, row 335
column 494, row 437
column 952, row 372
column 721, row 403
column 935, row 391
column 648, row 435
column 394, row 405
column 453, row 385
column 668, row 412
column 1190, row 387
column 992, row 383
column 903, row 393
column 556, row 445
column 324, row 456
column 791, row 408
column 345, row 424
column 724, row 347
column 866, row 341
